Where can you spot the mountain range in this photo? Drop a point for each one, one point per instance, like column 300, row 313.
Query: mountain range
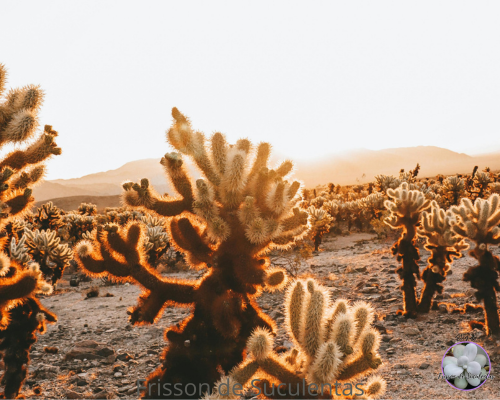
column 358, row 166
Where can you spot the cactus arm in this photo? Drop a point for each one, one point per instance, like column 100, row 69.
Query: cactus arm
column 261, row 160
column 188, row 238
column 19, row 286
column 143, row 195
column 280, row 370
column 39, row 151
column 20, row 203
column 245, row 371
column 160, row 291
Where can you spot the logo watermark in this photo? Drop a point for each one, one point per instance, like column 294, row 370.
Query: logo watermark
column 466, row 365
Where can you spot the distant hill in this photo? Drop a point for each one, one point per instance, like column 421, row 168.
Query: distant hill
column 346, row 168
column 72, row 202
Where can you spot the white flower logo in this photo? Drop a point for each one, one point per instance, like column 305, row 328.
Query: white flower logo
column 467, row 366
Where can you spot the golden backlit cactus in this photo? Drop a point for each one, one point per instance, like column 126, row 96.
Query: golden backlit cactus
column 46, row 249
column 405, row 209
column 21, row 314
column 444, row 245
column 481, row 182
column 320, row 222
column 334, row 345
column 226, row 222
column 453, row 189
column 478, row 222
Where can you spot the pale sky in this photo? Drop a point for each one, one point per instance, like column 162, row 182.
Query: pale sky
column 311, row 77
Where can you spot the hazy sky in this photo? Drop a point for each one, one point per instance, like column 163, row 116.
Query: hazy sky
column 311, row 77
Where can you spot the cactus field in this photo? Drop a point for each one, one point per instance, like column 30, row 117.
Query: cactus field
column 240, row 281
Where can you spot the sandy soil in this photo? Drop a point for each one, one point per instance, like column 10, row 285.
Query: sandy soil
column 356, row 267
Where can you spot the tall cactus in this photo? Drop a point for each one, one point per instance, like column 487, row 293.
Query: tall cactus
column 333, row 344
column 226, row 222
column 405, row 209
column 444, row 245
column 21, row 314
column 478, row 222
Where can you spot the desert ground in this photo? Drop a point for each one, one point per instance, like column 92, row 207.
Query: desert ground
column 99, row 355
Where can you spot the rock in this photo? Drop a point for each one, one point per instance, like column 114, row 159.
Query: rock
column 411, row 331
column 424, row 366
column 118, row 367
column 360, row 269
column 125, row 389
column 124, row 357
column 442, row 309
column 73, row 395
column 90, row 350
column 381, row 328
column 105, row 394
column 450, row 342
column 133, row 391
column 118, row 375
column 81, row 382
column 386, row 338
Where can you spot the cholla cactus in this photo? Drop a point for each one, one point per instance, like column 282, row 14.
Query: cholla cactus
column 122, row 217
column 478, row 222
column 469, row 182
column 494, row 187
column 333, row 343
column 318, row 201
column 320, row 224
column 48, row 217
column 384, row 182
column 406, row 208
column 21, row 314
column 156, row 243
column 444, row 245
column 331, row 207
column 226, row 221
column 481, row 182
column 76, row 225
column 87, row 209
column 373, row 206
column 47, row 250
column 453, row 190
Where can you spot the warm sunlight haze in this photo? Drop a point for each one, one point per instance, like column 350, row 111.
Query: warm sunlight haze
column 341, row 75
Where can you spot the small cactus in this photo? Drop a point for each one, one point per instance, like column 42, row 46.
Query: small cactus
column 320, row 222
column 333, row 343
